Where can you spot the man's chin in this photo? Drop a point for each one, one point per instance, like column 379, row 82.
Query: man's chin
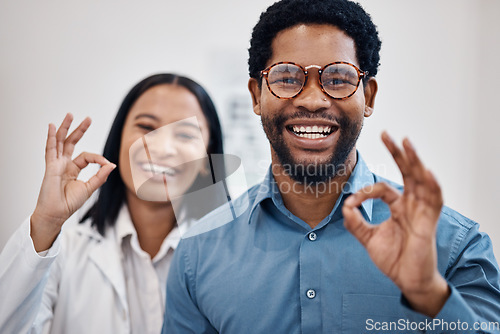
column 309, row 171
column 308, row 167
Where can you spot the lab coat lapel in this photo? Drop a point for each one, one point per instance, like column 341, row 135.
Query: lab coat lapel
column 107, row 257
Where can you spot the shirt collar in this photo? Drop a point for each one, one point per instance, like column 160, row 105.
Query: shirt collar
column 124, row 227
column 361, row 177
column 264, row 191
column 123, row 224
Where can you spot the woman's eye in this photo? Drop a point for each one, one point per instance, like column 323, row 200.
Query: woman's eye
column 185, row 136
column 145, row 127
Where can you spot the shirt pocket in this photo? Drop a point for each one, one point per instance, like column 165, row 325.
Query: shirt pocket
column 365, row 313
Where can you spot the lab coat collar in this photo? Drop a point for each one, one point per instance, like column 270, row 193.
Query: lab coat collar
column 106, row 255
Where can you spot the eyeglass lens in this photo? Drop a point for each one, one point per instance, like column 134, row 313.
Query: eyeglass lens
column 338, row 80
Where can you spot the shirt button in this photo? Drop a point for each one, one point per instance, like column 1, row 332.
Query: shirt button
column 312, row 236
column 311, row 293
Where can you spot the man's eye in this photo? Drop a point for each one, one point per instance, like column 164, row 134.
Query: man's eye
column 287, row 81
column 337, row 83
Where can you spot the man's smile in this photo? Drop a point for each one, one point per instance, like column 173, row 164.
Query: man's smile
column 315, row 134
column 311, row 132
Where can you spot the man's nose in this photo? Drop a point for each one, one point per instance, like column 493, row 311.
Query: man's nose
column 312, row 96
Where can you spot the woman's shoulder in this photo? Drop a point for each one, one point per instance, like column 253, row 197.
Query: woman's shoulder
column 77, row 235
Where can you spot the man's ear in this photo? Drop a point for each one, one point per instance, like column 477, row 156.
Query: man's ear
column 370, row 89
column 253, row 87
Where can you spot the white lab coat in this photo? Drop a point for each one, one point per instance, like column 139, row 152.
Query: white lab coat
column 79, row 287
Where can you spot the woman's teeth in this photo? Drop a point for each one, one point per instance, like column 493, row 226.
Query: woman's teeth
column 312, row 132
column 156, row 169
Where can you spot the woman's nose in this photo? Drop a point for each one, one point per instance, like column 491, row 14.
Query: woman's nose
column 161, row 142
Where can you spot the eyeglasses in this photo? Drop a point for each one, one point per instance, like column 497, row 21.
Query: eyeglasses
column 339, row 80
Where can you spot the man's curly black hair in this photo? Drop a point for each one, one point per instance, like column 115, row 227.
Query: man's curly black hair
column 345, row 15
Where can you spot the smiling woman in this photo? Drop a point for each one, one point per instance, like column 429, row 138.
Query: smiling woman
column 161, row 140
column 155, row 144
column 165, row 162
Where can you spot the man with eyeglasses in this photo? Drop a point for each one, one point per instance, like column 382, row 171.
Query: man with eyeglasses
column 323, row 245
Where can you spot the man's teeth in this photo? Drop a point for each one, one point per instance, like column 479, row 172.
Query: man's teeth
column 311, row 135
column 158, row 169
column 312, row 132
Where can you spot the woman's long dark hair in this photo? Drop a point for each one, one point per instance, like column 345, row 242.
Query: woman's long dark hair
column 112, row 193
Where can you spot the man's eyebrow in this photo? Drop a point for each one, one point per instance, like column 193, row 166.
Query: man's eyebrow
column 153, row 117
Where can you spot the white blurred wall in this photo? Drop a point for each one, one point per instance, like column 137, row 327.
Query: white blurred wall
column 438, row 82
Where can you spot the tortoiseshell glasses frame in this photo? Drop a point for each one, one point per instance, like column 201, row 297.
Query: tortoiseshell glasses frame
column 296, row 88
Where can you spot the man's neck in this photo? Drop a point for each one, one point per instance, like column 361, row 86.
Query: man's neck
column 312, row 202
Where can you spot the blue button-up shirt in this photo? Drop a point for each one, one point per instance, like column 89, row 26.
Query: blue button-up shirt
column 254, row 267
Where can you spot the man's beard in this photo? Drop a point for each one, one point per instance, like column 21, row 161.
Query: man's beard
column 317, row 171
